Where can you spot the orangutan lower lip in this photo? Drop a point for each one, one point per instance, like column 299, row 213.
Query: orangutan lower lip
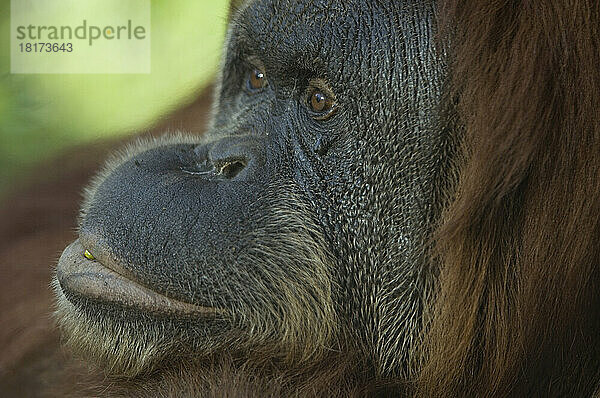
column 89, row 278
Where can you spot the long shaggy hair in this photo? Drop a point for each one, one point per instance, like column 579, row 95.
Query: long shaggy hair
column 518, row 311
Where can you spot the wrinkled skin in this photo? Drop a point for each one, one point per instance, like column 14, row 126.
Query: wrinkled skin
column 290, row 236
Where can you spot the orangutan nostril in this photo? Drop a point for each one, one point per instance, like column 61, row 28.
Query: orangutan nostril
column 232, row 168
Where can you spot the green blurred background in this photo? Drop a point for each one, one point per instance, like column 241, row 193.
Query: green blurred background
column 40, row 115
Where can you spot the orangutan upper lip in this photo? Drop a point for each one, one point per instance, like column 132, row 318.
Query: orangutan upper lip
column 91, row 279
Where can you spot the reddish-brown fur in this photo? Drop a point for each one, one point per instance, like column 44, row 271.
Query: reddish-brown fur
column 518, row 312
column 519, row 306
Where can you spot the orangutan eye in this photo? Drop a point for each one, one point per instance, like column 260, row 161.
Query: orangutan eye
column 321, row 102
column 257, row 80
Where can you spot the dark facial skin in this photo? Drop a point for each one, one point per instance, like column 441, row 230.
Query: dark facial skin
column 298, row 224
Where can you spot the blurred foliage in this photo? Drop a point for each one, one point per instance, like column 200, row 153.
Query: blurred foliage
column 42, row 114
